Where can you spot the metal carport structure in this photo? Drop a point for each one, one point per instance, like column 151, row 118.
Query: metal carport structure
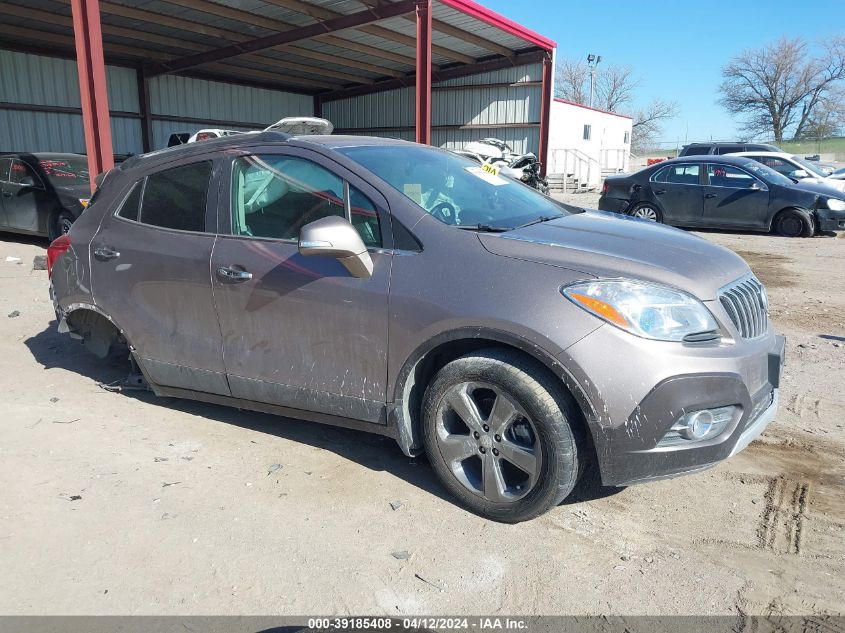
column 333, row 51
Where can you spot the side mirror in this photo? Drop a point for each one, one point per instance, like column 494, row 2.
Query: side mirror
column 334, row 236
column 800, row 173
column 755, row 187
column 26, row 181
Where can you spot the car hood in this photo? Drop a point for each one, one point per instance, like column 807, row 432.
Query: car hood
column 823, row 187
column 608, row 245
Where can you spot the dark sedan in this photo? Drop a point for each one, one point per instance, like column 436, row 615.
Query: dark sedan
column 725, row 192
column 42, row 194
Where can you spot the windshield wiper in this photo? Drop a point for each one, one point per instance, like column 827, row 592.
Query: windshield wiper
column 540, row 220
column 485, row 228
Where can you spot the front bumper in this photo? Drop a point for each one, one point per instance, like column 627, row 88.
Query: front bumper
column 830, row 224
column 627, row 429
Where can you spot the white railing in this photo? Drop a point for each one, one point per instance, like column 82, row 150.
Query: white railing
column 586, row 170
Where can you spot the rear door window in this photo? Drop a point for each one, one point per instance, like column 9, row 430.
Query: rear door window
column 698, row 150
column 730, row 177
column 23, row 174
column 679, row 174
column 729, row 149
column 176, row 198
column 131, row 207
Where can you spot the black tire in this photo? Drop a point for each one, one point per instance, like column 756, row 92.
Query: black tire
column 795, row 223
column 558, row 440
column 643, row 207
column 60, row 224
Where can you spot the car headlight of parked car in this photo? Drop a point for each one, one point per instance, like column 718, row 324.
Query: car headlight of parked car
column 835, row 205
column 644, row 309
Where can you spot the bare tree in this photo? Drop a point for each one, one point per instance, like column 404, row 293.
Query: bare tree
column 776, row 88
column 615, row 91
column 828, row 116
column 571, row 79
column 648, row 123
column 615, row 87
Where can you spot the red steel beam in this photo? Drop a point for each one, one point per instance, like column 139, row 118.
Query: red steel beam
column 91, row 68
column 350, row 21
column 545, row 113
column 423, row 78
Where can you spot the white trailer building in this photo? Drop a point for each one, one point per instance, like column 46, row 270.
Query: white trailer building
column 585, row 145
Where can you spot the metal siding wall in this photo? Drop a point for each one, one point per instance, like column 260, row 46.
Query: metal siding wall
column 198, row 98
column 50, row 81
column 485, row 105
column 380, row 109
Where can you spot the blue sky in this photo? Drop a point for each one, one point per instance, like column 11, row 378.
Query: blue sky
column 677, row 47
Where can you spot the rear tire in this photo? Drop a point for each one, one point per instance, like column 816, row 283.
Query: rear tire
column 795, row 223
column 60, row 224
column 502, row 435
column 646, row 211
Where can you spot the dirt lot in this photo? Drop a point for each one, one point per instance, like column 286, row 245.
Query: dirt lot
column 119, row 503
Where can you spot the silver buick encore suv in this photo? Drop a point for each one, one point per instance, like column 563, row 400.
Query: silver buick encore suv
column 404, row 290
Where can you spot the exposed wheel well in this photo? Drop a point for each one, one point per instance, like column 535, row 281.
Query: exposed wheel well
column 776, row 216
column 417, row 376
column 96, row 331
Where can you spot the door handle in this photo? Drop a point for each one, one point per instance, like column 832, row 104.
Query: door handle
column 104, row 253
column 227, row 273
column 658, row 192
column 710, row 195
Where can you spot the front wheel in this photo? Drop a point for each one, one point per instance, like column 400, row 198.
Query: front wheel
column 502, row 435
column 794, row 223
column 60, row 224
column 646, row 211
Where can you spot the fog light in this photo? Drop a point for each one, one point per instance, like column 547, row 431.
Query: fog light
column 699, row 425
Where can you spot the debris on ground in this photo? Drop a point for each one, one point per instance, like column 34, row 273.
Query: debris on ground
column 167, row 515
column 54, row 399
column 429, row 582
column 161, row 459
column 14, row 314
column 403, row 555
column 273, row 469
column 66, row 421
column 165, row 484
column 12, row 260
column 71, row 497
column 395, row 505
column 39, row 262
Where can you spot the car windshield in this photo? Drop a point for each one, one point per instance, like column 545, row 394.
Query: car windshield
column 811, row 169
column 766, row 173
column 65, row 172
column 456, row 190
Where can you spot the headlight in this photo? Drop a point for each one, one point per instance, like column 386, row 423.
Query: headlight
column 835, row 205
column 644, row 309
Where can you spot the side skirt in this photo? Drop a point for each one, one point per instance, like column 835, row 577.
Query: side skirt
column 388, row 430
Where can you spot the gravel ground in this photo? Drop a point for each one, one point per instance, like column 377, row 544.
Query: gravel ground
column 127, row 504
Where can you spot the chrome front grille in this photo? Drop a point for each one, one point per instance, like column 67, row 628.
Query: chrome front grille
column 746, row 304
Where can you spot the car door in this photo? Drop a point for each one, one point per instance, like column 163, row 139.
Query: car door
column 677, row 190
column 23, row 196
column 5, row 189
column 733, row 198
column 299, row 331
column 150, row 272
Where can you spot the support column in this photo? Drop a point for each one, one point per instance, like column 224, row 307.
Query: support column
column 423, row 96
column 144, row 110
column 318, row 106
column 545, row 113
column 91, row 69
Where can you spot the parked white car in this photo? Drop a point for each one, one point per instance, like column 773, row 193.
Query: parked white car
column 793, row 167
column 204, row 135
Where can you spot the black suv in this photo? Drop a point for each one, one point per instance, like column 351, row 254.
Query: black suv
column 695, row 149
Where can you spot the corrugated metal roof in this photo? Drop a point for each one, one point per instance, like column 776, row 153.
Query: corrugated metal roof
column 179, row 28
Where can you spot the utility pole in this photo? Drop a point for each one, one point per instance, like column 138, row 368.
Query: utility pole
column 592, row 62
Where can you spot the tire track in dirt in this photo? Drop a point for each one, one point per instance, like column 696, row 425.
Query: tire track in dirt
column 782, row 519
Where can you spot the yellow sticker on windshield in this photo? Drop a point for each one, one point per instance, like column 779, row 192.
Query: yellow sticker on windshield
column 490, row 169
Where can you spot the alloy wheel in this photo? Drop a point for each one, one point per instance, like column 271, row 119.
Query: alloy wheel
column 488, row 442
column 646, row 213
column 64, row 225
